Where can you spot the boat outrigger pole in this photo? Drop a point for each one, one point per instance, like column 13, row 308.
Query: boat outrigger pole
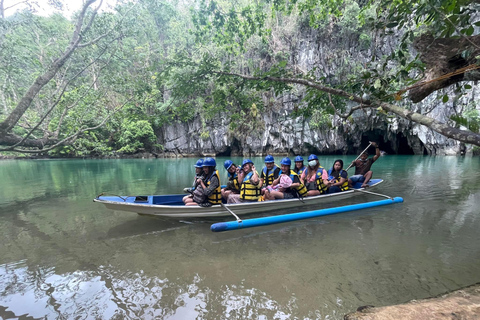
column 231, row 212
column 233, row 225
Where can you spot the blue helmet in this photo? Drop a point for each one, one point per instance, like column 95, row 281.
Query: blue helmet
column 269, row 159
column 298, row 158
column 227, row 164
column 312, row 157
column 209, row 162
column 286, row 161
column 246, row 161
column 199, row 163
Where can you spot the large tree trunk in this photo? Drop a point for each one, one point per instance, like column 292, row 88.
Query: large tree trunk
column 10, row 140
column 444, row 56
column 42, row 80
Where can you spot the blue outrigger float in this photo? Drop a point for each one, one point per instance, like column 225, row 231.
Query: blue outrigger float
column 239, row 224
column 171, row 206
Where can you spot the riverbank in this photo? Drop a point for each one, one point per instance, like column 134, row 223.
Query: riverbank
column 459, row 304
column 139, row 155
column 146, row 155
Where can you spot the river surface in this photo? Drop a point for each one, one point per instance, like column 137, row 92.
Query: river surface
column 63, row 256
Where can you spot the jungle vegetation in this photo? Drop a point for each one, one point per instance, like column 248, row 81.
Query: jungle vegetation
column 105, row 81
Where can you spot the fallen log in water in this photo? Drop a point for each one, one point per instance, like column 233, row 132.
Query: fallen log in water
column 459, row 304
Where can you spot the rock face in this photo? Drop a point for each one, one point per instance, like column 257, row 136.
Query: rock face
column 286, row 135
column 460, row 304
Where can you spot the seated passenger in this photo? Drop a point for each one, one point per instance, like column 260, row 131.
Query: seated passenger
column 249, row 186
column 338, row 177
column 289, row 189
column 315, row 177
column 198, row 175
column 232, row 184
column 299, row 167
column 285, row 182
column 207, row 191
column 269, row 173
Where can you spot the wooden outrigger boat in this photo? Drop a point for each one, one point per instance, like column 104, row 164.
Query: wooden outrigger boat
column 172, row 206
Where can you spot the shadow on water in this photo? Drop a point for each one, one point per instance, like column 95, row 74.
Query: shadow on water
column 142, row 225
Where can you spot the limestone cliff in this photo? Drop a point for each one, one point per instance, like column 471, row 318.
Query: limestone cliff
column 283, row 134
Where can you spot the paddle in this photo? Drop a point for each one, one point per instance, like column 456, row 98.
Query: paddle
column 359, row 156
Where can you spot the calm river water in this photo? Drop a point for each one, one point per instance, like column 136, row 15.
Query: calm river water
column 63, row 256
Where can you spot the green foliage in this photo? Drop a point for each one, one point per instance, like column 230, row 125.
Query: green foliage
column 349, row 21
column 317, row 11
column 470, row 119
column 147, row 57
column 440, row 17
column 232, row 27
column 321, row 119
column 136, row 135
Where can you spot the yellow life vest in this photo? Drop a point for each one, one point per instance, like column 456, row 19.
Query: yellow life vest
column 301, row 189
column 216, row 196
column 318, row 180
column 344, row 185
column 249, row 191
column 269, row 175
column 299, row 171
column 234, row 179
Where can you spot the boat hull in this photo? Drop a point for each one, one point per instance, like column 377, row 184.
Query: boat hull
column 171, row 206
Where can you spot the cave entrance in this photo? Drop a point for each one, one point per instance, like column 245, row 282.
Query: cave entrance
column 395, row 144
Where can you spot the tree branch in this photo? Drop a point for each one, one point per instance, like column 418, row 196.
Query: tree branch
column 69, row 139
column 465, row 136
column 42, row 80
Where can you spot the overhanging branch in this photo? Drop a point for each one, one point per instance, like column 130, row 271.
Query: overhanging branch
column 39, row 143
column 446, row 130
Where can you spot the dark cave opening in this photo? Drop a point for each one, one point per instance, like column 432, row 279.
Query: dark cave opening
column 402, row 145
column 233, row 148
column 398, row 144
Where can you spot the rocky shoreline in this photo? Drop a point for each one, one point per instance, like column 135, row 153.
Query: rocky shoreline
column 140, row 155
column 463, row 303
column 148, row 155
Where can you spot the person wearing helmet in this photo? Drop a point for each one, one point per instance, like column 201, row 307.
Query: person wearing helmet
column 362, row 167
column 290, row 184
column 315, row 177
column 208, row 190
column 199, row 174
column 299, row 167
column 338, row 177
column 232, row 184
column 249, row 184
column 270, row 172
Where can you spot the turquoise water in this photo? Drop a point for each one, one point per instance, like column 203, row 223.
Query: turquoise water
column 63, row 256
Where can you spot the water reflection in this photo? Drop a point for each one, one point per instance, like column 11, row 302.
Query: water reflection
column 63, row 256
column 106, row 294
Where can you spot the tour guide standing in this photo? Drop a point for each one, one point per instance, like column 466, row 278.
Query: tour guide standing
column 362, row 167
